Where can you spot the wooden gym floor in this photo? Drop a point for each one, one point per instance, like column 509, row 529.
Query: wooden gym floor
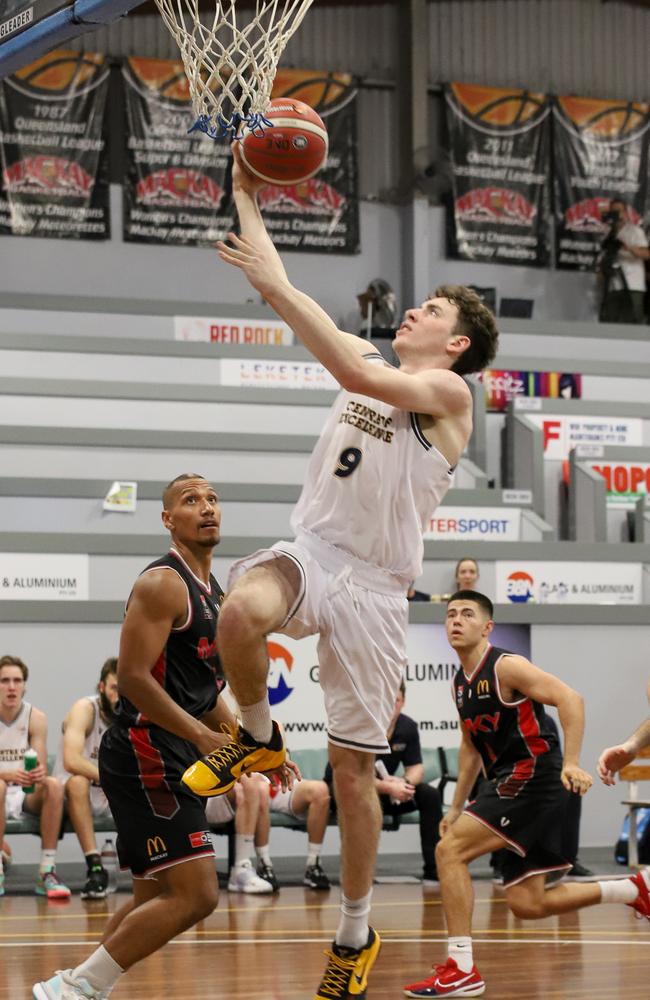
column 272, row 948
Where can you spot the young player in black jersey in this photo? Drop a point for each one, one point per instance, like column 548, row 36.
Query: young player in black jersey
column 505, row 733
column 168, row 677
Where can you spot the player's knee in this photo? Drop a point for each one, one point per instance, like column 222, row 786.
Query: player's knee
column 77, row 787
column 350, row 782
column 240, row 614
column 321, row 794
column 448, row 851
column 53, row 789
column 204, row 901
column 526, row 907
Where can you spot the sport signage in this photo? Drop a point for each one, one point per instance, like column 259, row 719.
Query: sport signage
column 260, row 374
column 476, row 524
column 28, row 576
column 625, row 481
column 233, row 330
column 568, row 583
column 54, row 171
column 562, row 432
column 499, row 146
column 600, row 151
column 502, row 386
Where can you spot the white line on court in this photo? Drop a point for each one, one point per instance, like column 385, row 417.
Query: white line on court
column 618, row 942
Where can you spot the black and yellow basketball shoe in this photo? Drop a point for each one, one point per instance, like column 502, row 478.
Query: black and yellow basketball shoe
column 346, row 973
column 216, row 773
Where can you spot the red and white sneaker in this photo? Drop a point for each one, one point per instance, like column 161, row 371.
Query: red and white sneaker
column 448, row 981
column 642, row 902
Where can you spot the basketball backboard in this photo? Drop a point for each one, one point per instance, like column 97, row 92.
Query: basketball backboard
column 29, row 29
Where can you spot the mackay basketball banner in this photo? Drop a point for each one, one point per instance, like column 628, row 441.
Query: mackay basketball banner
column 53, row 168
column 600, row 151
column 174, row 189
column 499, row 148
column 320, row 214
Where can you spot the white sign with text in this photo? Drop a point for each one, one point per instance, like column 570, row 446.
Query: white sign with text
column 568, row 582
column 232, row 330
column 476, row 524
column 30, row 576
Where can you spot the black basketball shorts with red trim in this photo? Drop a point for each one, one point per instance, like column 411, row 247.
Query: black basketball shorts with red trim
column 159, row 821
column 528, row 814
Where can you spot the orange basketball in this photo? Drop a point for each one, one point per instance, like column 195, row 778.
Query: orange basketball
column 293, row 149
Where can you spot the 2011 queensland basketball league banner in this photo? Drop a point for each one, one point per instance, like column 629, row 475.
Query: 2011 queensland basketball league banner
column 54, row 172
column 600, row 152
column 499, row 142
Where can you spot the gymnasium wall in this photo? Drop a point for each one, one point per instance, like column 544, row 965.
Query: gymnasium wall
column 607, row 664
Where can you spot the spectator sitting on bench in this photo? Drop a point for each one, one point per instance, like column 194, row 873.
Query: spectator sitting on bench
column 309, row 802
column 76, row 769
column 247, row 803
column 399, row 795
column 22, row 728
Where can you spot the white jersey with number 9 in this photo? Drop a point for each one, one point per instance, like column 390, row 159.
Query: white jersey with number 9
column 372, row 484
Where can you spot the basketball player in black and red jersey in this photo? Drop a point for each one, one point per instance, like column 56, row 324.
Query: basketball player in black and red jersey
column 505, row 732
column 169, row 678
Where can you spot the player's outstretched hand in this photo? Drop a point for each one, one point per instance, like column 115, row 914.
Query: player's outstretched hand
column 260, row 263
column 287, row 773
column 612, row 760
column 575, row 779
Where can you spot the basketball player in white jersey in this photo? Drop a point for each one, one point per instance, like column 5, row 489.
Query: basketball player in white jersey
column 76, row 768
column 383, row 463
column 23, row 727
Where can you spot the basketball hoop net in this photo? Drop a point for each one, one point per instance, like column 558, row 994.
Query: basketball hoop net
column 230, row 66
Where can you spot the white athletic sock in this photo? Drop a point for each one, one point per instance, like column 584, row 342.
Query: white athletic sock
column 100, row 971
column 263, row 854
column 313, row 853
column 621, row 890
column 243, row 848
column 47, row 861
column 256, row 720
column 352, row 931
column 460, row 949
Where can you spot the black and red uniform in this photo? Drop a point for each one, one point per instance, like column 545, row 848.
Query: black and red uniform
column 160, row 822
column 522, row 798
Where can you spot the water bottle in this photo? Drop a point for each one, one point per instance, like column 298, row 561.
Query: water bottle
column 30, row 761
column 109, row 863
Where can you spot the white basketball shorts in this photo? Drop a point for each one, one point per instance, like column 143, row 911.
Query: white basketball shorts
column 361, row 615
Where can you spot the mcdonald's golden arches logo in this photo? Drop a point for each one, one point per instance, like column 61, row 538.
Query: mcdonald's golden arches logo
column 483, row 689
column 156, row 846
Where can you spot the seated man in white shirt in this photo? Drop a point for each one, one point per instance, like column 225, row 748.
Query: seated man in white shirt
column 76, row 767
column 34, row 792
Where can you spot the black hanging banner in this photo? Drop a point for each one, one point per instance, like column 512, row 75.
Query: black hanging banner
column 174, row 190
column 499, row 150
column 320, row 214
column 54, row 176
column 600, row 152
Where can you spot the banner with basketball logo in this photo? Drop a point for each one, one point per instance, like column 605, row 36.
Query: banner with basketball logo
column 320, row 214
column 54, row 173
column 600, row 151
column 174, row 189
column 499, row 142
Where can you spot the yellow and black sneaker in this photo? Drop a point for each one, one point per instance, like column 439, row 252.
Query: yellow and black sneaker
column 346, row 974
column 221, row 769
